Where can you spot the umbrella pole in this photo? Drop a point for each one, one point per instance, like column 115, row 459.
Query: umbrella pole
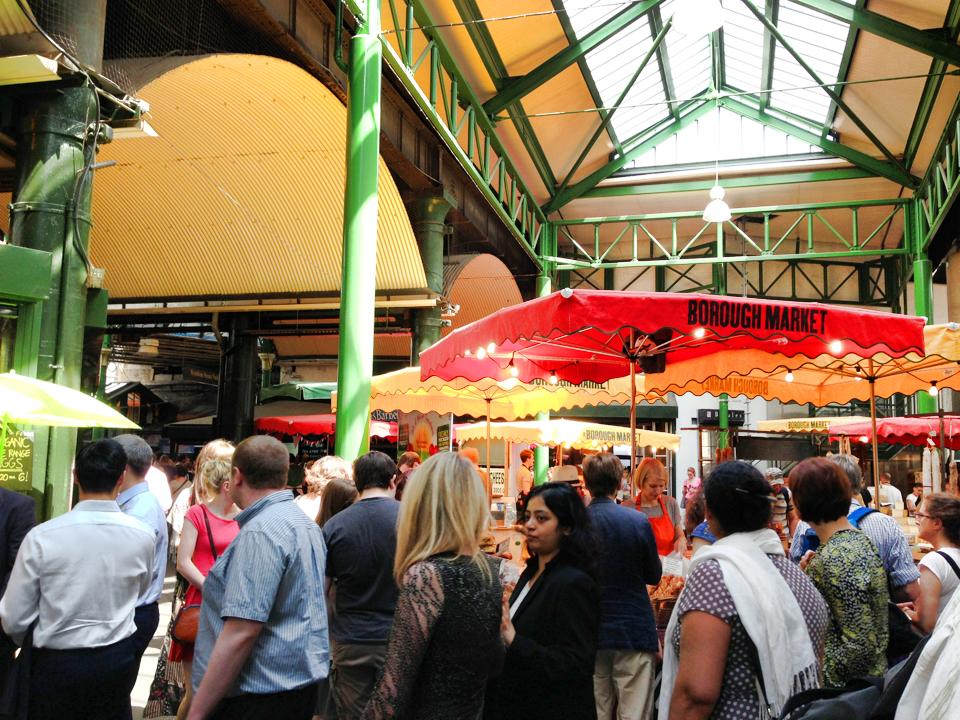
column 945, row 472
column 633, row 416
column 489, row 482
column 874, row 444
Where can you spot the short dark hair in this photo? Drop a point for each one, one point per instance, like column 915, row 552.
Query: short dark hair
column 525, row 455
column 917, row 485
column 264, row 462
column 821, row 490
column 139, row 454
column 602, row 473
column 373, row 470
column 100, row 465
column 738, row 497
column 579, row 545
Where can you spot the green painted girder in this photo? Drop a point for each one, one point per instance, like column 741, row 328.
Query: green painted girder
column 933, row 43
column 941, row 186
column 790, row 178
column 663, row 60
column 516, row 88
column 772, row 11
column 931, row 88
column 688, row 116
column 490, row 56
column 605, row 123
column 860, row 159
column 844, row 69
column 24, row 273
column 510, row 198
column 834, row 95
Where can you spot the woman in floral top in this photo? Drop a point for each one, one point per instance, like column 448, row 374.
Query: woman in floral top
column 847, row 571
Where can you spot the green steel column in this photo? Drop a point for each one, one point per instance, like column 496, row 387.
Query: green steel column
column 723, row 434
column 237, row 383
column 355, row 366
column 541, row 454
column 429, row 213
column 51, row 212
column 922, row 287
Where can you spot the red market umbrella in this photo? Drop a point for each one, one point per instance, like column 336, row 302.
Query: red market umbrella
column 318, row 425
column 906, row 430
column 597, row 335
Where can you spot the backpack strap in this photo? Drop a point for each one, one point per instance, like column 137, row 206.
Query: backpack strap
column 950, row 561
column 857, row 515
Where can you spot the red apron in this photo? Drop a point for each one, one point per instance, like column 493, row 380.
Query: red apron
column 664, row 531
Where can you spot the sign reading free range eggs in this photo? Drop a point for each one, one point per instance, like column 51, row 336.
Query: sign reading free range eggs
column 16, row 470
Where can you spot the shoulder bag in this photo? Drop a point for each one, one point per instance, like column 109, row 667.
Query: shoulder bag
column 188, row 618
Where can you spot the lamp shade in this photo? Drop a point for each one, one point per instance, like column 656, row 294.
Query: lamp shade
column 717, row 209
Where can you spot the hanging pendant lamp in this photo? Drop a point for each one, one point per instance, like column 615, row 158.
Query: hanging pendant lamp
column 717, row 210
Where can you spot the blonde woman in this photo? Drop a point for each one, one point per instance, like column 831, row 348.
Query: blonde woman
column 208, row 529
column 445, row 639
column 318, row 475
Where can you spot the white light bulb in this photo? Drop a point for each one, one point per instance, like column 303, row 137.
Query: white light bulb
column 788, row 377
column 933, row 390
column 699, row 332
column 491, row 348
column 481, row 353
column 513, row 370
column 554, row 379
column 836, row 346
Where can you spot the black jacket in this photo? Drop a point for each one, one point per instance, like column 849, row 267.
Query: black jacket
column 548, row 669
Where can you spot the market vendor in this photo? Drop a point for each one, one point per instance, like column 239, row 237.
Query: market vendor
column 661, row 510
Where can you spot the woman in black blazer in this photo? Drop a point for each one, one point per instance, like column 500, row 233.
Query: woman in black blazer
column 551, row 620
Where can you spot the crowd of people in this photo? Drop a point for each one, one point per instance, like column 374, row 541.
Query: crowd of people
column 369, row 596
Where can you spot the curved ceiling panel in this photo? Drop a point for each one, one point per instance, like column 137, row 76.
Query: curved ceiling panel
column 241, row 192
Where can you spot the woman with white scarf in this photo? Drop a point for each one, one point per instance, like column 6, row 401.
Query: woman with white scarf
column 748, row 630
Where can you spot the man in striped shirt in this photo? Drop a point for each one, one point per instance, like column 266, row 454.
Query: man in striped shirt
column 262, row 644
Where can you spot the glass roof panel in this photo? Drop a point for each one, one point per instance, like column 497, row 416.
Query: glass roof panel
column 742, row 48
column 738, row 138
column 613, row 64
column 820, row 41
column 690, row 59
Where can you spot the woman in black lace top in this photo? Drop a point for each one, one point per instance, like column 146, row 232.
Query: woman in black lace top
column 445, row 639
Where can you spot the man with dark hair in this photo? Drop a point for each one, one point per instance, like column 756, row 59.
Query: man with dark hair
column 136, row 500
column 361, row 545
column 914, row 499
column 262, row 644
column 902, row 574
column 17, row 516
column 78, row 577
column 625, row 669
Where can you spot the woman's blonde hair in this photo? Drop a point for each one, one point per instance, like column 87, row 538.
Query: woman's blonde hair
column 327, row 468
column 444, row 508
column 213, row 475
column 214, row 450
column 648, row 468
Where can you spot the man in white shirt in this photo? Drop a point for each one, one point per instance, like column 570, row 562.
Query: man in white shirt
column 889, row 494
column 76, row 581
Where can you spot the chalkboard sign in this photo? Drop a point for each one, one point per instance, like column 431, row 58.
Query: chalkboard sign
column 16, row 470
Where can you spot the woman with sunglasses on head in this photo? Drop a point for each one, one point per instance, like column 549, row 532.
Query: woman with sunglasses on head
column 551, row 621
column 938, row 520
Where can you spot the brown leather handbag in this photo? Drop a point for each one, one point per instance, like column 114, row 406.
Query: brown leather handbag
column 185, row 627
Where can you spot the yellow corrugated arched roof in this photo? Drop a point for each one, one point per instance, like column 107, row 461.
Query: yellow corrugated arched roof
column 241, row 193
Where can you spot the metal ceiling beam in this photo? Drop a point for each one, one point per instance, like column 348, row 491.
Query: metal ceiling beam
column 772, row 11
column 844, row 69
column 654, row 49
column 862, row 160
column 575, row 191
column 748, row 181
column 490, row 56
column 663, row 60
column 929, row 43
column 931, row 88
column 516, row 88
column 834, row 95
